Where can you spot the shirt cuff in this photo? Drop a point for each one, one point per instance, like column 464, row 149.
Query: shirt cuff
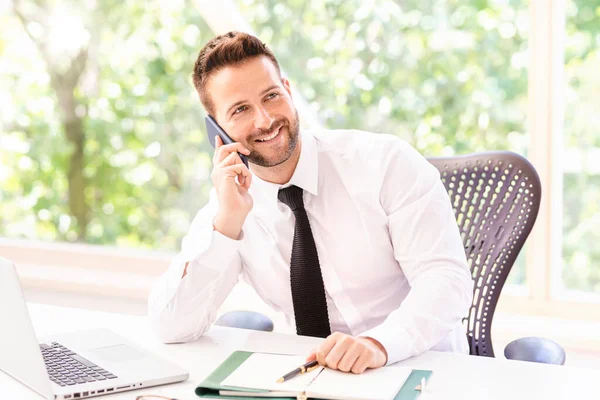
column 397, row 343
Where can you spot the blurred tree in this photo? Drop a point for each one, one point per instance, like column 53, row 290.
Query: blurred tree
column 101, row 127
column 449, row 76
column 64, row 79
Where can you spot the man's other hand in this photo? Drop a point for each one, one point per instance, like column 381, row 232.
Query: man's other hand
column 349, row 354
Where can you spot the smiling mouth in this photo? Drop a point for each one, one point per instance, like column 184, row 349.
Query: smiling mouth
column 271, row 136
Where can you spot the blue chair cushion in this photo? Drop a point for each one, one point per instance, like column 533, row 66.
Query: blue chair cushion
column 246, row 320
column 535, row 349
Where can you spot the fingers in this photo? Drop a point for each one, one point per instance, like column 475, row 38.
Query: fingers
column 239, row 171
column 312, row 355
column 244, row 178
column 325, row 348
column 231, row 159
column 222, row 151
column 361, row 364
column 348, row 353
column 341, row 346
column 350, row 356
column 232, row 171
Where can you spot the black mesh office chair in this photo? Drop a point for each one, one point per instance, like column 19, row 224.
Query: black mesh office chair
column 496, row 198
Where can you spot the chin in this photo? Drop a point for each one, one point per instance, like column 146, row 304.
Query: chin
column 265, row 161
column 268, row 162
column 277, row 156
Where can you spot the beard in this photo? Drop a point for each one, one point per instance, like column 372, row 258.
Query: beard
column 292, row 131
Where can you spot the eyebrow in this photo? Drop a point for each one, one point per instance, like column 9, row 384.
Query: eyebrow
column 237, row 103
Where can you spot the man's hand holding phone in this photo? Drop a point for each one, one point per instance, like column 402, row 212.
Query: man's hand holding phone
column 231, row 179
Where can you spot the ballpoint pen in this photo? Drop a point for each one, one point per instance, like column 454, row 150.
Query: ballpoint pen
column 309, row 366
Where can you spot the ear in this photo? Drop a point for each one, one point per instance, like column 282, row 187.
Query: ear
column 286, row 86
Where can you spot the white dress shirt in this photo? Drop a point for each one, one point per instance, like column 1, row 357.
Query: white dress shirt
column 391, row 255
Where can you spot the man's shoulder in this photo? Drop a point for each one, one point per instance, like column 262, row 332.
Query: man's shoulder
column 353, row 142
column 381, row 152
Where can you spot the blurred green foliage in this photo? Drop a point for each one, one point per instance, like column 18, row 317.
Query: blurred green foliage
column 581, row 198
column 146, row 160
column 448, row 76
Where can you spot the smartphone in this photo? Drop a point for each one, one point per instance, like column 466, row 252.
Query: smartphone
column 213, row 129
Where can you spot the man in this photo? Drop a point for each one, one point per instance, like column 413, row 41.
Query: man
column 344, row 231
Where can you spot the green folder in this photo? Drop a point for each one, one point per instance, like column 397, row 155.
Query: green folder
column 209, row 389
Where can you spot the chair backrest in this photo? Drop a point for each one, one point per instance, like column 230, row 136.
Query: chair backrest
column 496, row 198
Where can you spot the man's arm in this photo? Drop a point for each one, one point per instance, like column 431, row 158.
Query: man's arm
column 184, row 301
column 429, row 249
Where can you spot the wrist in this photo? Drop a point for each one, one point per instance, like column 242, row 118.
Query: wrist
column 228, row 226
column 379, row 346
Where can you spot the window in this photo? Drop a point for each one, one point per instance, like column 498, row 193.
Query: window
column 102, row 134
column 581, row 155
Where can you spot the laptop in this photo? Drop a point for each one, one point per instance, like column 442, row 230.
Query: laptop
column 74, row 365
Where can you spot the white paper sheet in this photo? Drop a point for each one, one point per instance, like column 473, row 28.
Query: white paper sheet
column 373, row 384
column 261, row 371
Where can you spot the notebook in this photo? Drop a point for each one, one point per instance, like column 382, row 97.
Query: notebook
column 254, row 376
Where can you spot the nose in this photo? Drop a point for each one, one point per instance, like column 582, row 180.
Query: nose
column 262, row 119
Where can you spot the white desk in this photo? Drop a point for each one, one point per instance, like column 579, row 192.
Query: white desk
column 455, row 376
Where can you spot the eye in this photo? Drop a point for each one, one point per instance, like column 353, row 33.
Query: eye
column 240, row 109
column 272, row 95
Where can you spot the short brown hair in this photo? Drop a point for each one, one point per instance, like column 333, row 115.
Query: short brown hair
column 222, row 51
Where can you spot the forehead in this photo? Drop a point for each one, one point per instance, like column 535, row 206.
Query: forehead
column 236, row 82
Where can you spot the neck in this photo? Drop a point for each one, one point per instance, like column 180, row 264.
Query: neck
column 282, row 173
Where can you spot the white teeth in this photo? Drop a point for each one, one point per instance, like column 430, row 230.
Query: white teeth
column 270, row 136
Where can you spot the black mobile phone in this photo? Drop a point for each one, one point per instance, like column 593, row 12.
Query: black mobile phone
column 213, row 129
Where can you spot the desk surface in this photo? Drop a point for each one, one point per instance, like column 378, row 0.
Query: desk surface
column 455, row 376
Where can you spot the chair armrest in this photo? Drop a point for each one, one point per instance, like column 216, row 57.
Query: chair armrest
column 246, row 320
column 535, row 349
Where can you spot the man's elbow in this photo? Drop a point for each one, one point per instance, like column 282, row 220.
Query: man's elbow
column 456, row 289
column 468, row 289
column 170, row 328
column 460, row 287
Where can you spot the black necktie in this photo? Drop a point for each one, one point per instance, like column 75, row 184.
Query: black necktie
column 308, row 292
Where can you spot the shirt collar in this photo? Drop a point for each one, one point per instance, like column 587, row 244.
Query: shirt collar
column 305, row 176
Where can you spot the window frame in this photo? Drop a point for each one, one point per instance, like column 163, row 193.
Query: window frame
column 542, row 295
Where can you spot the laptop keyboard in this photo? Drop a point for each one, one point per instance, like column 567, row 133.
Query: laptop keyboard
column 67, row 368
